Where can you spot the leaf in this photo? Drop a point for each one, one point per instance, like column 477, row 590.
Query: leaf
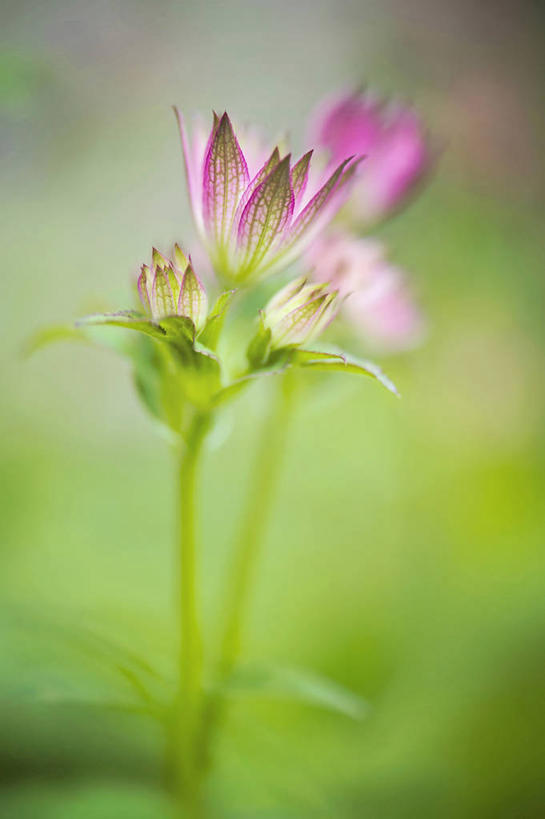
column 267, row 213
column 225, row 178
column 178, row 330
column 82, row 334
column 295, row 684
column 258, row 348
column 129, row 319
column 210, row 333
column 330, row 362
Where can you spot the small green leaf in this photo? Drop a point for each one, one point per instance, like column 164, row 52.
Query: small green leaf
column 178, row 329
column 259, row 346
column 129, row 319
column 210, row 333
column 329, row 362
column 295, row 684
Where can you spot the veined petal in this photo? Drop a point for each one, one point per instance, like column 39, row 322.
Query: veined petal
column 267, row 213
column 264, row 171
column 318, row 202
column 299, row 177
column 225, row 177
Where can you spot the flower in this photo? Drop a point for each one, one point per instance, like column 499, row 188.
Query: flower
column 377, row 301
column 392, row 139
column 172, row 288
column 255, row 218
column 299, row 312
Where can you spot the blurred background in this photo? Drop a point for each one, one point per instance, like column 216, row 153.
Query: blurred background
column 405, row 554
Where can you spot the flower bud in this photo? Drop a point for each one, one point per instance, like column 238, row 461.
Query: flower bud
column 299, row 312
column 169, row 288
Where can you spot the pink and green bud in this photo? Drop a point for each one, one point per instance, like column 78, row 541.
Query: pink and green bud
column 393, row 141
column 378, row 303
column 172, row 288
column 299, row 312
column 253, row 212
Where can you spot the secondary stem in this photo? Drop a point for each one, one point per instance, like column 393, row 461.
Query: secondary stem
column 263, row 481
column 189, row 697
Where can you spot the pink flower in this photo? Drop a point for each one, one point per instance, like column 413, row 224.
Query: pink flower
column 255, row 218
column 390, row 137
column 378, row 302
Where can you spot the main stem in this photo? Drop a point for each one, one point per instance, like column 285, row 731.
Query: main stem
column 189, row 769
column 258, row 504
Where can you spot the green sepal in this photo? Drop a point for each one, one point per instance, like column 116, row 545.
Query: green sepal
column 297, row 685
column 210, row 333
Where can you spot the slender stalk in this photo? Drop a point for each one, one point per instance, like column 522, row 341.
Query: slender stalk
column 255, row 517
column 188, row 712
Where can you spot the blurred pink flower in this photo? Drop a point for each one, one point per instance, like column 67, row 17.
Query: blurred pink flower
column 378, row 302
column 392, row 139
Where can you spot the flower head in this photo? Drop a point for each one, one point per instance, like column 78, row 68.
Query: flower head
column 255, row 217
column 172, row 288
column 299, row 312
column 392, row 139
column 378, row 301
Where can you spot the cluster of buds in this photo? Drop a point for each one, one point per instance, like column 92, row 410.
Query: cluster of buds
column 172, row 288
column 393, row 141
column 255, row 220
column 299, row 312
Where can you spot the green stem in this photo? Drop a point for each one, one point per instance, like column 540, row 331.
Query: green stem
column 189, row 769
column 263, row 482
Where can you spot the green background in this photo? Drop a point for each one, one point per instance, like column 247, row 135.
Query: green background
column 405, row 554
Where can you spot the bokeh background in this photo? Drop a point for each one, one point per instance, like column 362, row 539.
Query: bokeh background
column 405, row 554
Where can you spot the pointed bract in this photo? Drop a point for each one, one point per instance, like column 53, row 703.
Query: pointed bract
column 299, row 312
column 193, row 302
column 225, row 178
column 299, row 176
column 265, row 216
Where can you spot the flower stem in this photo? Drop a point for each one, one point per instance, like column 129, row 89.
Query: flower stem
column 189, row 769
column 263, row 482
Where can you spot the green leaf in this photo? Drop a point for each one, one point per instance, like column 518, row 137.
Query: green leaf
column 295, row 684
column 129, row 319
column 91, row 334
column 329, row 362
column 210, row 333
column 259, row 346
column 178, row 329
